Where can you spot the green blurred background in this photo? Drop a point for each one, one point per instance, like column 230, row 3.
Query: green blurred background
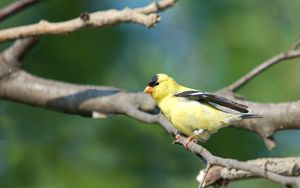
column 203, row 44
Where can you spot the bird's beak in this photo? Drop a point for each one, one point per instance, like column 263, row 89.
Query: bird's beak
column 148, row 89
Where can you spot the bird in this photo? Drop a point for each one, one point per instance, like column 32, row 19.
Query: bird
column 194, row 113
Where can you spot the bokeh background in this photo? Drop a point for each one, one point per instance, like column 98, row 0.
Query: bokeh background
column 203, row 44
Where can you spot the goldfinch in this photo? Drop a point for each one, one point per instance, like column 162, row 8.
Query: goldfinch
column 194, row 113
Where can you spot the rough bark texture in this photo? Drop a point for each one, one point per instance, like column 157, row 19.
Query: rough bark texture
column 289, row 166
column 70, row 98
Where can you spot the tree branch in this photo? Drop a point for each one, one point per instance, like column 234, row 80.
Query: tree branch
column 282, row 116
column 156, row 7
column 296, row 44
column 95, row 101
column 10, row 59
column 146, row 16
column 289, row 166
column 89, row 101
column 276, row 116
column 235, row 164
column 18, row 50
column 292, row 54
column 231, row 163
column 15, row 7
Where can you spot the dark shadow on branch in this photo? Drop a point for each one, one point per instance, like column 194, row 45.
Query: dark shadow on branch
column 71, row 103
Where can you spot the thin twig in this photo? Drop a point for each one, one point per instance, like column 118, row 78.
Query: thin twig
column 156, row 6
column 15, row 7
column 296, row 44
column 292, row 54
column 146, row 16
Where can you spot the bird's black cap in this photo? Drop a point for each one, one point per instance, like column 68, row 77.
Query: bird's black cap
column 154, row 81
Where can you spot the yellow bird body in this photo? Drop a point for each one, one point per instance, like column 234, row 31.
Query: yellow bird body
column 187, row 116
column 191, row 117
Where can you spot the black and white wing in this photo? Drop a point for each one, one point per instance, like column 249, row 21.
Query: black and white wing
column 213, row 99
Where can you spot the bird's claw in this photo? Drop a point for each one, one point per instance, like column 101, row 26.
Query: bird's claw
column 188, row 140
column 176, row 141
column 185, row 145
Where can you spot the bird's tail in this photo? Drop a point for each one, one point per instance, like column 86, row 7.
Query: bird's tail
column 250, row 116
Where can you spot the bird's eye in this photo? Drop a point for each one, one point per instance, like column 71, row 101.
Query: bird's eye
column 152, row 84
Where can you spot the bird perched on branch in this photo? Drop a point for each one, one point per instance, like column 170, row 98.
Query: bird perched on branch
column 194, row 113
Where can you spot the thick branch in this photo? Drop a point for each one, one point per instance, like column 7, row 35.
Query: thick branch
column 146, row 16
column 289, row 166
column 15, row 7
column 282, row 116
column 71, row 98
column 292, row 54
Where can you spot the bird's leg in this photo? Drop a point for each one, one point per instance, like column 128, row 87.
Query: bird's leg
column 189, row 139
column 192, row 137
column 177, row 136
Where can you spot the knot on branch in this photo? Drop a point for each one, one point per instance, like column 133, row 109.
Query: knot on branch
column 85, row 16
column 296, row 170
